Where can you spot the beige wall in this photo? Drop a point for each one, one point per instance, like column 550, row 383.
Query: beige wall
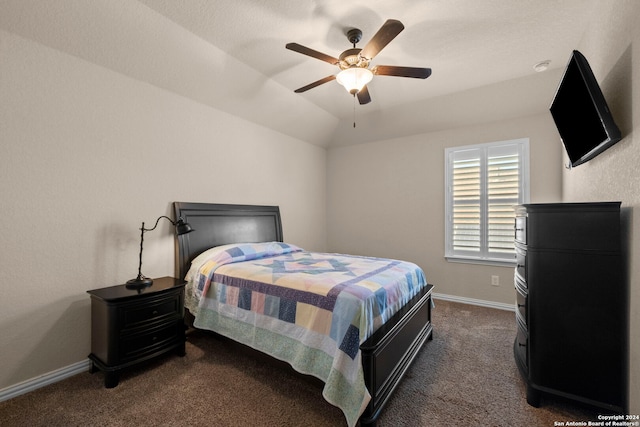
column 86, row 154
column 612, row 47
column 387, row 199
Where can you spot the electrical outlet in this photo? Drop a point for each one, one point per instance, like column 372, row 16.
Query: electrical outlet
column 495, row 280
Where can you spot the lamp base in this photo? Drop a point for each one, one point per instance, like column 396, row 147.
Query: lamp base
column 139, row 282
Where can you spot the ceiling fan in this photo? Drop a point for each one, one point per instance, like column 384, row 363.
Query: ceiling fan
column 354, row 63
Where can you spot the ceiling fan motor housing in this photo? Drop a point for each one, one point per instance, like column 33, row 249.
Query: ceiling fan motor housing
column 351, row 58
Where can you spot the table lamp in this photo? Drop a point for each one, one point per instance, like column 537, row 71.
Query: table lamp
column 142, row 281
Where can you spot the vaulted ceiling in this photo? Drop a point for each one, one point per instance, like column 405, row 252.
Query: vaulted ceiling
column 231, row 54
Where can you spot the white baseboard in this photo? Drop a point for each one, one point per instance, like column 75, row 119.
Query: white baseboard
column 43, row 380
column 472, row 301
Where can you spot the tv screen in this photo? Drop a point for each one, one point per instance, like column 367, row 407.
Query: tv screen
column 581, row 114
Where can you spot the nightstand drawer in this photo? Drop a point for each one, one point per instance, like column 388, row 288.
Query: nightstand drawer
column 137, row 345
column 161, row 309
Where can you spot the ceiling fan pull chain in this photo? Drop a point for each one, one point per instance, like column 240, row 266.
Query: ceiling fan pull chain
column 354, row 110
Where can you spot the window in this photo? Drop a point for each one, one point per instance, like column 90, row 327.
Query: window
column 483, row 184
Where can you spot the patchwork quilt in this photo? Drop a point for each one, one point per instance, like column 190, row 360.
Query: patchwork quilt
column 312, row 310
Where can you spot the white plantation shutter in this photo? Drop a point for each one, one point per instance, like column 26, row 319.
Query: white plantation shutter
column 503, row 191
column 467, row 189
column 484, row 183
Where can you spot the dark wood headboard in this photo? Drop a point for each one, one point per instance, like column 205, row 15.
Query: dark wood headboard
column 219, row 224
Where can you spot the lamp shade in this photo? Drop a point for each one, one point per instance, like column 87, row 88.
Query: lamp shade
column 354, row 78
column 183, row 227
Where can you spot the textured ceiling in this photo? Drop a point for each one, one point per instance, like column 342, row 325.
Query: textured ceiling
column 467, row 43
column 180, row 45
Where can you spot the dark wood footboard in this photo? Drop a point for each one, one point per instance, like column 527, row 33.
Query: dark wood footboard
column 388, row 353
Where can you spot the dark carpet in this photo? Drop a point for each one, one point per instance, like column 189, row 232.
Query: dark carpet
column 466, row 376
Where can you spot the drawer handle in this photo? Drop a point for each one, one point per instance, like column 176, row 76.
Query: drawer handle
column 522, row 345
column 154, row 312
column 154, row 338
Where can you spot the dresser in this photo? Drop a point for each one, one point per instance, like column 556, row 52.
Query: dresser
column 130, row 326
column 571, row 303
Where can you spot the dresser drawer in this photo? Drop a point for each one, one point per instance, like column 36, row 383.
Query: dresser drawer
column 559, row 227
column 151, row 311
column 137, row 345
column 521, row 229
column 521, row 303
column 521, row 344
column 521, row 264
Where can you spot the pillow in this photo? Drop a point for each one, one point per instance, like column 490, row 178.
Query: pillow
column 235, row 252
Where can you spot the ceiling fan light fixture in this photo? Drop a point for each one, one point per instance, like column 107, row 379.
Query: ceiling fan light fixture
column 354, row 78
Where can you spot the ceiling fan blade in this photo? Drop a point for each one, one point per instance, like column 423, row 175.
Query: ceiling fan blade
column 314, row 84
column 363, row 95
column 312, row 53
column 389, row 30
column 392, row 70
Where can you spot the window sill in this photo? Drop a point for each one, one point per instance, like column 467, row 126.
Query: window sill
column 478, row 261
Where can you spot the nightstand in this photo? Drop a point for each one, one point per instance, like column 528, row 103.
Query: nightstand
column 129, row 326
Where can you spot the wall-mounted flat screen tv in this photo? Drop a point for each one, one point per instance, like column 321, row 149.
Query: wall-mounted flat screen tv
column 581, row 114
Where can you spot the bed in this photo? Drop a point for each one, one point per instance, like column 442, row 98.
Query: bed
column 245, row 282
